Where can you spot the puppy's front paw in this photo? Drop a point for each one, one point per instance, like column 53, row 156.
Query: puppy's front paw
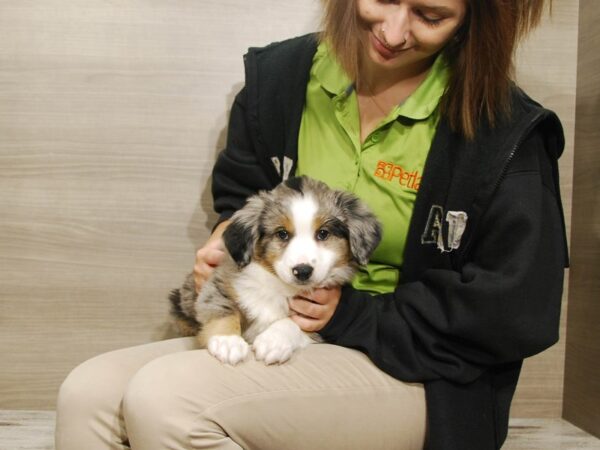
column 228, row 349
column 273, row 346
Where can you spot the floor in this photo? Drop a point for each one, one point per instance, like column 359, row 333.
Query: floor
column 33, row 430
column 26, row 430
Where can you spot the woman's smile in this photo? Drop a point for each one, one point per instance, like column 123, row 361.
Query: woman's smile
column 389, row 29
column 383, row 50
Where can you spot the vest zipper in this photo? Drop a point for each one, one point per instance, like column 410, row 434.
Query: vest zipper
column 511, row 155
column 532, row 123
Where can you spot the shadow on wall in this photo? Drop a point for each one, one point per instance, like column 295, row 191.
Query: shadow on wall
column 204, row 213
column 203, row 217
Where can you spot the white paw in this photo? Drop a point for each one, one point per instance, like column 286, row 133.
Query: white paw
column 228, row 349
column 272, row 347
column 276, row 344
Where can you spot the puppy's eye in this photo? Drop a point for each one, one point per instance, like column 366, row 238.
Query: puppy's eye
column 322, row 234
column 283, row 235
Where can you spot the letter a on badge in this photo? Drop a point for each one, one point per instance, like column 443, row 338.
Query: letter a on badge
column 433, row 229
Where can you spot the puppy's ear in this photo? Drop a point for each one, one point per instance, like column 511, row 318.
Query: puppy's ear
column 242, row 233
column 239, row 242
column 364, row 230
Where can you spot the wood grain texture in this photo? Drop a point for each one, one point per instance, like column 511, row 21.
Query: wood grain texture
column 27, row 430
column 34, row 430
column 582, row 380
column 111, row 114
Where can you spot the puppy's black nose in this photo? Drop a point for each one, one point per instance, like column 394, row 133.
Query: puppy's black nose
column 302, row 271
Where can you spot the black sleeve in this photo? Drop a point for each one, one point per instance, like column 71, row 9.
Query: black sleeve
column 501, row 306
column 237, row 173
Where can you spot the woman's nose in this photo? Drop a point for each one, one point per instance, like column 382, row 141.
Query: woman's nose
column 396, row 28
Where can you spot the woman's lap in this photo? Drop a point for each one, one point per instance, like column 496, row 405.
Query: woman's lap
column 325, row 397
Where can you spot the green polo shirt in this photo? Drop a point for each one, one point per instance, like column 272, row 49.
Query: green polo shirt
column 385, row 170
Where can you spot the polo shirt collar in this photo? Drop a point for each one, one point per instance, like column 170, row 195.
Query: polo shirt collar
column 418, row 106
column 329, row 73
column 426, row 98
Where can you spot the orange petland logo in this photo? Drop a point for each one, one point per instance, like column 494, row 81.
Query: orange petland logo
column 395, row 173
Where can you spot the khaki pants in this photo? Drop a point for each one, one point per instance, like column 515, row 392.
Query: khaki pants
column 166, row 395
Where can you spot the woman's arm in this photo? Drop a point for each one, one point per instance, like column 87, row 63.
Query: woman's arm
column 503, row 305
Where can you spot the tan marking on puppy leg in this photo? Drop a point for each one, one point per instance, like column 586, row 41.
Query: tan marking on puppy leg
column 185, row 328
column 226, row 326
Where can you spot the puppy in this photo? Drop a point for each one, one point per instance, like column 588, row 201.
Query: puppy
column 299, row 236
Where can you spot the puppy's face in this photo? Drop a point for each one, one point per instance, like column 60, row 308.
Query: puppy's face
column 303, row 243
column 305, row 233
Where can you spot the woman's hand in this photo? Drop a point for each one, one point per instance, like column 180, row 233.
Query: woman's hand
column 209, row 256
column 313, row 310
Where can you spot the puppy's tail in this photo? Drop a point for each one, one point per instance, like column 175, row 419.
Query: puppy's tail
column 182, row 310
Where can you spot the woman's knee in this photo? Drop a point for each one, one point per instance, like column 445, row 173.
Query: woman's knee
column 164, row 400
column 168, row 380
column 91, row 386
column 88, row 405
column 146, row 392
column 166, row 383
column 103, row 379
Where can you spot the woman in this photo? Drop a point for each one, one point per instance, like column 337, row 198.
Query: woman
column 408, row 104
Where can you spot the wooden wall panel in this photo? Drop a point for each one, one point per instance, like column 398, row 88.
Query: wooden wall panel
column 111, row 114
column 582, row 369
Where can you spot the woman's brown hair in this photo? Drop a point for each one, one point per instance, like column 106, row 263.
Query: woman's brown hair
column 480, row 55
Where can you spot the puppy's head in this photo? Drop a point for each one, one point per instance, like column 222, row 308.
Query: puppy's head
column 304, row 232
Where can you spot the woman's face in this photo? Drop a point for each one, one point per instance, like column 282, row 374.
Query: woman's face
column 405, row 34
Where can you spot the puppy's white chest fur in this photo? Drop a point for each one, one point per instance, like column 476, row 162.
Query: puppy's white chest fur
column 263, row 297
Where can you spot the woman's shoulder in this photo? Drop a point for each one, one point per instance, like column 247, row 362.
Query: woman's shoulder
column 289, row 48
column 521, row 102
column 532, row 115
column 523, row 107
column 280, row 69
column 525, row 117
